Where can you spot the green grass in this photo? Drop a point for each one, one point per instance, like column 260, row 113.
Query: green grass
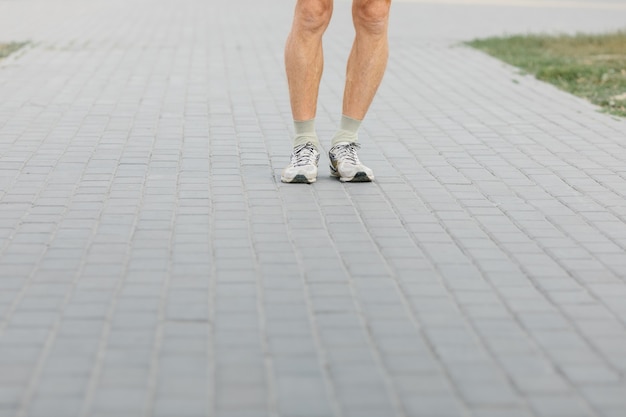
column 589, row 66
column 7, row 49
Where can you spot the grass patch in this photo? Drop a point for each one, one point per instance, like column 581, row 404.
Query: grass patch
column 589, row 66
column 7, row 49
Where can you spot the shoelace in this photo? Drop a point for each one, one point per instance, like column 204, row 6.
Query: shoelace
column 348, row 152
column 303, row 155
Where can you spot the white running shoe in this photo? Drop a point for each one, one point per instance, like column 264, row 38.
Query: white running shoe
column 302, row 167
column 345, row 163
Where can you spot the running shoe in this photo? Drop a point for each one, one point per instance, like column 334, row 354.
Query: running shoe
column 302, row 167
column 345, row 163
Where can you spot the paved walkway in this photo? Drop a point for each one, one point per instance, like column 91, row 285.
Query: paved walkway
column 152, row 264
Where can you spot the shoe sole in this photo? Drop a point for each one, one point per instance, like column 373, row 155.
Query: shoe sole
column 299, row 179
column 358, row 177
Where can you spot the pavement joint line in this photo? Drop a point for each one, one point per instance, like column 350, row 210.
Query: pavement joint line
column 322, row 356
column 260, row 299
column 151, row 394
column 96, row 371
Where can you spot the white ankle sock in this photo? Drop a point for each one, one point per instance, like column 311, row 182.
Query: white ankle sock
column 305, row 132
column 348, row 132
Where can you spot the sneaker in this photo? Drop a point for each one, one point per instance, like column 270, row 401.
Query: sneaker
column 303, row 165
column 345, row 164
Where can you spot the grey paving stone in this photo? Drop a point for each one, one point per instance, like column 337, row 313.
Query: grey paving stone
column 113, row 399
column 301, row 396
column 559, row 405
column 436, row 406
column 411, row 364
column 512, row 412
column 297, row 365
column 364, row 397
column 242, row 413
column 52, row 406
column 546, row 383
column 165, row 406
column 490, row 395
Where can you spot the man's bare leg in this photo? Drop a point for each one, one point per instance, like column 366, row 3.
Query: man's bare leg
column 304, row 61
column 366, row 67
column 368, row 58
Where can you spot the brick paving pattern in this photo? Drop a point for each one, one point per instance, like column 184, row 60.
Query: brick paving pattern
column 152, row 264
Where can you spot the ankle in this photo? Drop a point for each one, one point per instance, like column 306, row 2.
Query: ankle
column 305, row 133
column 348, row 131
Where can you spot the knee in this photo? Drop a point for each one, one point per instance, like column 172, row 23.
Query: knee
column 313, row 15
column 371, row 15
